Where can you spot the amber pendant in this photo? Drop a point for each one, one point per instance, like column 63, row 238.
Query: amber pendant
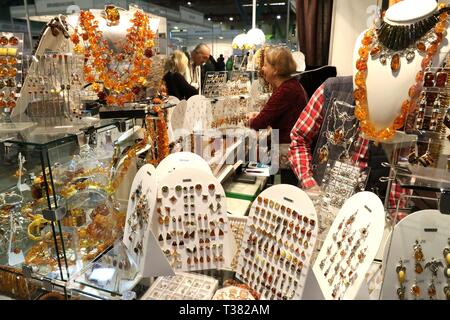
column 401, row 272
column 323, row 154
column 432, row 291
column 415, row 290
column 338, row 136
column 395, row 63
column 418, row 254
column 418, row 268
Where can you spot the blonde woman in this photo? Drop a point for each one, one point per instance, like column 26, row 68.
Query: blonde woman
column 177, row 86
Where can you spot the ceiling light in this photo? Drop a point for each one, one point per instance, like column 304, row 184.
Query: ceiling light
column 189, row 3
column 221, row 38
column 278, row 17
column 231, row 18
column 277, row 4
column 200, row 38
column 209, row 19
column 176, row 28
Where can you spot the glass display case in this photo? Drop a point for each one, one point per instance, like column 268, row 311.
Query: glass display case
column 57, row 206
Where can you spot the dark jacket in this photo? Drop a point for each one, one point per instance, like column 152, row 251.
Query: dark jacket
column 177, row 86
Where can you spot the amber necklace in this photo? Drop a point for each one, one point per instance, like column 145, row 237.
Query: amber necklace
column 395, row 41
column 120, row 85
column 409, row 105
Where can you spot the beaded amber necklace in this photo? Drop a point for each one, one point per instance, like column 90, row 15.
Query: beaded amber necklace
column 102, row 65
column 409, row 104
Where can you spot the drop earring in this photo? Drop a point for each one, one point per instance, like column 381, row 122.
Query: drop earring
column 418, row 256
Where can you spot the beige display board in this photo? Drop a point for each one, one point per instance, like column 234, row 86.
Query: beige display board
column 278, row 242
column 418, row 258
column 190, row 221
column 198, row 114
column 176, row 117
column 179, row 160
column 350, row 247
column 138, row 238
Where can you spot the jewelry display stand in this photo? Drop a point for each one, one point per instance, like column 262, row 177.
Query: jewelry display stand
column 198, row 114
column 183, row 286
column 191, row 222
column 11, row 57
column 138, row 238
column 180, row 160
column 386, row 90
column 278, row 242
column 176, row 118
column 350, row 247
column 417, row 260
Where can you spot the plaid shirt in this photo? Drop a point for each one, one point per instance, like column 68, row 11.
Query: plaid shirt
column 302, row 134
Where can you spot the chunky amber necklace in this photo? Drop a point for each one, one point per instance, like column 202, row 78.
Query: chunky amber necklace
column 102, row 66
column 409, row 105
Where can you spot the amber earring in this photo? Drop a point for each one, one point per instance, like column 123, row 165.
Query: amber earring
column 418, row 256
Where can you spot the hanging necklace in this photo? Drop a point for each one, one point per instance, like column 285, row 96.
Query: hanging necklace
column 120, row 85
column 337, row 135
column 360, row 93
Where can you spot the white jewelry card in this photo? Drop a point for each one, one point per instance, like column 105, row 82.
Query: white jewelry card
column 141, row 204
column 350, row 247
column 190, row 221
column 417, row 259
column 278, row 242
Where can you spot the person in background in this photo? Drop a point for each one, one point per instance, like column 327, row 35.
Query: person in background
column 176, row 84
column 200, row 64
column 304, row 137
column 229, row 64
column 284, row 106
column 220, row 65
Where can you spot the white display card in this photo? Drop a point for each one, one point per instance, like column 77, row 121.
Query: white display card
column 350, row 247
column 198, row 114
column 182, row 286
column 424, row 266
column 278, row 242
column 176, row 117
column 140, row 205
column 190, row 221
column 179, row 160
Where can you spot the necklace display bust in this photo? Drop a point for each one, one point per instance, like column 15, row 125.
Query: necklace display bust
column 389, row 87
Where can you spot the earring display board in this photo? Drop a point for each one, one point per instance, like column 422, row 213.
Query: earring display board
column 214, row 84
column 182, row 286
column 181, row 160
column 191, row 222
column 11, row 60
column 230, row 112
column 350, row 247
column 176, row 117
column 140, row 204
column 278, row 242
column 198, row 114
column 418, row 260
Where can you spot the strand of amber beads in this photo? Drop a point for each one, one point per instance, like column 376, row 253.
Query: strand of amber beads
column 360, row 92
column 99, row 58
